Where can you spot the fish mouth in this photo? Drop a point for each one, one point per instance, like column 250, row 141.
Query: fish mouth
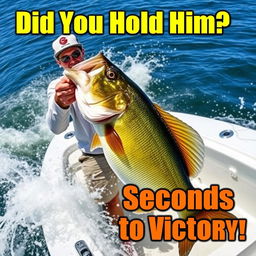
column 92, row 63
column 93, row 110
column 82, row 72
column 109, row 98
column 96, row 108
column 105, row 120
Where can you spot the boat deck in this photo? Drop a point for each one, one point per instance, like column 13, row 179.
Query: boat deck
column 229, row 162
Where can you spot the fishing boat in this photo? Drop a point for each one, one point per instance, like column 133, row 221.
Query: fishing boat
column 230, row 162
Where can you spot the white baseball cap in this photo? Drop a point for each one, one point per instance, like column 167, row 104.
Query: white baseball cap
column 63, row 42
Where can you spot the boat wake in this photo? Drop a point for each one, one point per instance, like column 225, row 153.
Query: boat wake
column 28, row 199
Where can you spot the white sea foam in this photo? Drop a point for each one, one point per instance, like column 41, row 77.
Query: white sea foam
column 22, row 129
column 237, row 120
column 137, row 67
column 32, row 200
column 32, row 135
column 36, row 201
column 244, row 119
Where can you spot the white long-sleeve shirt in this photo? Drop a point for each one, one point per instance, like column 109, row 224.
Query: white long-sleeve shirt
column 58, row 120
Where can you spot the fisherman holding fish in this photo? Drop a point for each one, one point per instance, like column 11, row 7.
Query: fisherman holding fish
column 61, row 107
column 143, row 144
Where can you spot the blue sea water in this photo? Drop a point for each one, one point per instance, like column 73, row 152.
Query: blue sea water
column 207, row 75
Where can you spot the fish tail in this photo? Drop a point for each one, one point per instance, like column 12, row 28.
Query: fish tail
column 186, row 245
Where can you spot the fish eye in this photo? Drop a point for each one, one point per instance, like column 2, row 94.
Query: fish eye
column 111, row 74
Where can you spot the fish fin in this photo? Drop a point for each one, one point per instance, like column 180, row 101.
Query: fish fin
column 186, row 245
column 188, row 140
column 113, row 140
column 95, row 142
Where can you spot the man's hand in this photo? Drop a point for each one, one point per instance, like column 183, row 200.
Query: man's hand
column 65, row 92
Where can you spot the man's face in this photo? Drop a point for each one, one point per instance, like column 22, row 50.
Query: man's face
column 70, row 57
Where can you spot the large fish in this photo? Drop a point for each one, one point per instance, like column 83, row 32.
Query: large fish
column 142, row 143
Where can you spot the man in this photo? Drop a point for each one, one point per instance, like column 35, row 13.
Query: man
column 62, row 105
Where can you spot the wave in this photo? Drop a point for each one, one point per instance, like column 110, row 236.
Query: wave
column 29, row 200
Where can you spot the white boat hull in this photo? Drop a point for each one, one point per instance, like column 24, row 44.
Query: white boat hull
column 229, row 162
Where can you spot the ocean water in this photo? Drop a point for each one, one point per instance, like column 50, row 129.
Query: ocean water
column 212, row 76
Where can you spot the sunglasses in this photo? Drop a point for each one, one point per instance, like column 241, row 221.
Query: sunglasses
column 74, row 55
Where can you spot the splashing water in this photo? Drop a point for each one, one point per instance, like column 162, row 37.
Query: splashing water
column 138, row 68
column 35, row 202
column 242, row 102
column 30, row 201
column 237, row 120
column 23, row 140
column 246, row 119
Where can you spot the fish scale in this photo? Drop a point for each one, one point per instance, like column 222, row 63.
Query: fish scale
column 143, row 144
column 147, row 150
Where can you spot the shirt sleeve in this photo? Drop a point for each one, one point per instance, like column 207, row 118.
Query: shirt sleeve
column 57, row 118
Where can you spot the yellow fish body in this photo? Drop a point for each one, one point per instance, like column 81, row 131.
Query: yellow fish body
column 142, row 143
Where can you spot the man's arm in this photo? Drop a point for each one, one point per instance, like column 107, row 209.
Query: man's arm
column 61, row 94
